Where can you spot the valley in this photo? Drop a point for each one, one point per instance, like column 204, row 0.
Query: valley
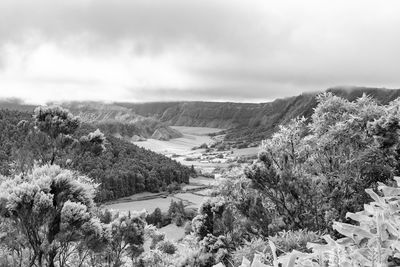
column 195, row 148
column 146, row 163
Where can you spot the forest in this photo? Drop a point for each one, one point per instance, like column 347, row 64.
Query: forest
column 121, row 170
column 324, row 191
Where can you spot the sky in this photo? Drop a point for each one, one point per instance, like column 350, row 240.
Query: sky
column 209, row 50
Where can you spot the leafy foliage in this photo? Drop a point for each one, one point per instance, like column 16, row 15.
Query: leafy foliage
column 372, row 241
column 309, row 175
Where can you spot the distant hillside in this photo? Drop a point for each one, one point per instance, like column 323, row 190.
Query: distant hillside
column 16, row 104
column 243, row 121
column 199, row 114
column 112, row 119
column 120, row 121
column 138, row 131
column 246, row 121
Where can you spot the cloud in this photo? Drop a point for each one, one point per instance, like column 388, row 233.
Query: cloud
column 146, row 50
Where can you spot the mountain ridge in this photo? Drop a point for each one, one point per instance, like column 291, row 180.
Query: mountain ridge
column 246, row 121
column 242, row 121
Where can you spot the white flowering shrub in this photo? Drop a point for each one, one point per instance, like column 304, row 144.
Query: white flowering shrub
column 48, row 208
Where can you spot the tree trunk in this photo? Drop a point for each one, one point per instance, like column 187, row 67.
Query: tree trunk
column 32, row 262
column 40, row 258
column 52, row 256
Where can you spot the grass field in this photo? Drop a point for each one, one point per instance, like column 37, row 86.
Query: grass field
column 133, row 203
column 250, row 151
column 173, row 232
column 189, row 200
column 192, row 200
column 196, row 130
column 182, row 148
column 149, row 205
column 192, row 137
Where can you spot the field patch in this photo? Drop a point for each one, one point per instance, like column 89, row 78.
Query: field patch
column 192, row 137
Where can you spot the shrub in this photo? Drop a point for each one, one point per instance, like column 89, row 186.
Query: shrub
column 167, row 247
column 287, row 241
column 173, row 187
column 178, row 220
column 242, row 145
column 204, row 145
column 373, row 241
column 250, row 249
column 188, row 227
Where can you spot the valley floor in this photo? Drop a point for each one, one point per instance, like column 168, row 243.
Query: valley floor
column 192, row 196
column 210, row 162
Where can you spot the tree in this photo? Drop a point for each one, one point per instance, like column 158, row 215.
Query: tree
column 167, row 247
column 127, row 236
column 317, row 172
column 58, row 124
column 155, row 218
column 49, row 206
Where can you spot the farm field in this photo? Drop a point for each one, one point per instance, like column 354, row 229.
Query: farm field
column 192, row 200
column 149, row 205
column 250, row 151
column 192, row 137
column 196, row 130
column 189, row 200
column 180, row 149
column 154, row 200
column 173, row 232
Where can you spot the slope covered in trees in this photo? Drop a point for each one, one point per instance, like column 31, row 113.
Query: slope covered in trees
column 122, row 169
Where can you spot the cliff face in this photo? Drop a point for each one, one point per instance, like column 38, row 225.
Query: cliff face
column 200, row 114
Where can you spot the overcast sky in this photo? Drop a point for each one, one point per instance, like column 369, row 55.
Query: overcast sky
column 160, row 50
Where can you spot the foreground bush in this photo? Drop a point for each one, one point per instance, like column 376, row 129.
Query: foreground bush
column 286, row 241
column 48, row 218
column 46, row 209
column 372, row 241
